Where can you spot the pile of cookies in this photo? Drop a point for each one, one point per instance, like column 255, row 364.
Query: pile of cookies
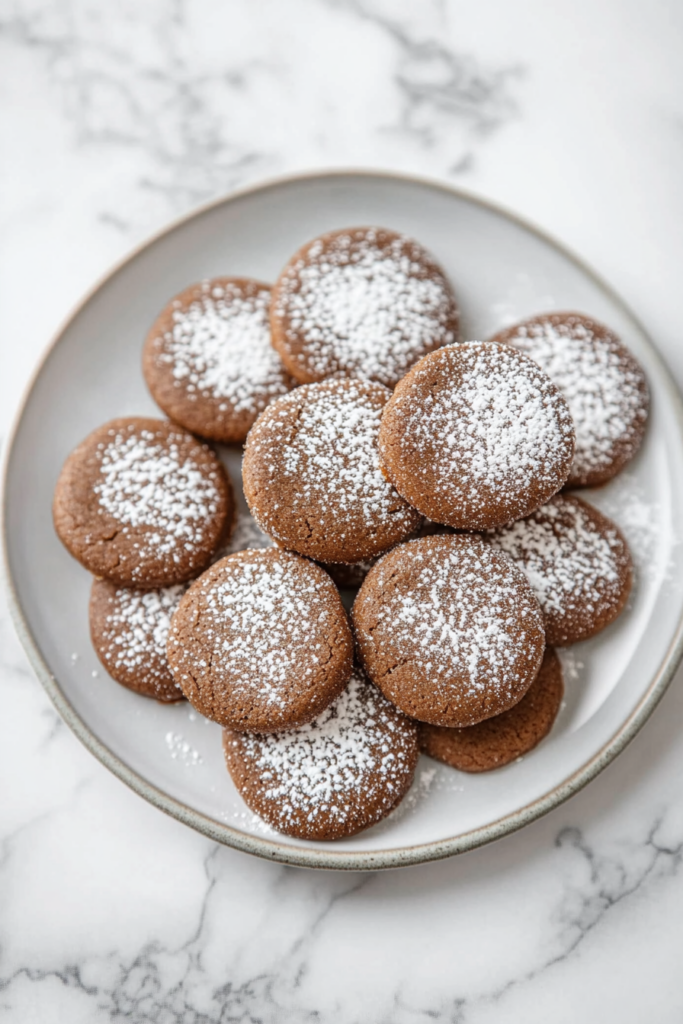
column 381, row 452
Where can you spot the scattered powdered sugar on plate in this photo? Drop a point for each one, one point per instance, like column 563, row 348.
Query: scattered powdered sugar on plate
column 640, row 519
column 219, row 346
column 146, row 483
column 136, row 628
column 181, row 750
column 572, row 665
column 358, row 753
column 364, row 303
column 422, row 786
column 602, row 383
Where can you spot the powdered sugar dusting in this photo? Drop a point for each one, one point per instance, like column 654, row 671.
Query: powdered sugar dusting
column 358, row 752
column 181, row 750
column 361, row 305
column 136, row 630
column 147, row 483
column 603, row 385
column 457, row 612
column 572, row 562
column 219, row 346
column 330, row 463
column 501, row 427
column 266, row 624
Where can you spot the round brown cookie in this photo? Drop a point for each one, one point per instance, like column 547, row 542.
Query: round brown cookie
column 208, row 360
column 476, row 435
column 129, row 629
column 449, row 629
column 312, row 476
column 143, row 503
column 261, row 641
column 362, row 302
column 577, row 563
column 500, row 740
column 334, row 777
column 605, row 388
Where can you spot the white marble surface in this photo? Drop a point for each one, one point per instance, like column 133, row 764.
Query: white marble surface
column 114, row 119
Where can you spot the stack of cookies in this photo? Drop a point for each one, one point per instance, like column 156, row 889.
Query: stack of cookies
column 381, row 452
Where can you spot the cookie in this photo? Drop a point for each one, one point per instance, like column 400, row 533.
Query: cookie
column 499, row 741
column 605, row 388
column 340, row 774
column 449, row 629
column 261, row 641
column 476, row 435
column 362, row 302
column 577, row 563
column 208, row 360
column 143, row 503
column 312, row 475
column 129, row 629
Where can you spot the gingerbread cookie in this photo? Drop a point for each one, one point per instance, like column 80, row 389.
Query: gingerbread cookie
column 605, row 388
column 449, row 629
column 261, row 641
column 129, row 629
column 312, row 476
column 143, row 503
column 476, row 435
column 334, row 777
column 208, row 360
column 362, row 302
column 577, row 562
column 499, row 741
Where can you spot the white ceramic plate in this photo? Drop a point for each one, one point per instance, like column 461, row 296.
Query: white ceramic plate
column 502, row 270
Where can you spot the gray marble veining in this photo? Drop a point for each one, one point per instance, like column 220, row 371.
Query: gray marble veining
column 116, row 118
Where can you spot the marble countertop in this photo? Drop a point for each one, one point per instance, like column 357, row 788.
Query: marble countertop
column 117, row 118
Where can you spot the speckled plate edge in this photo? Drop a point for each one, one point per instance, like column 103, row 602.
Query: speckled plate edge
column 267, row 848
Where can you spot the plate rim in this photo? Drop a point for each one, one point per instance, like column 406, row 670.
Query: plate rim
column 275, row 850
